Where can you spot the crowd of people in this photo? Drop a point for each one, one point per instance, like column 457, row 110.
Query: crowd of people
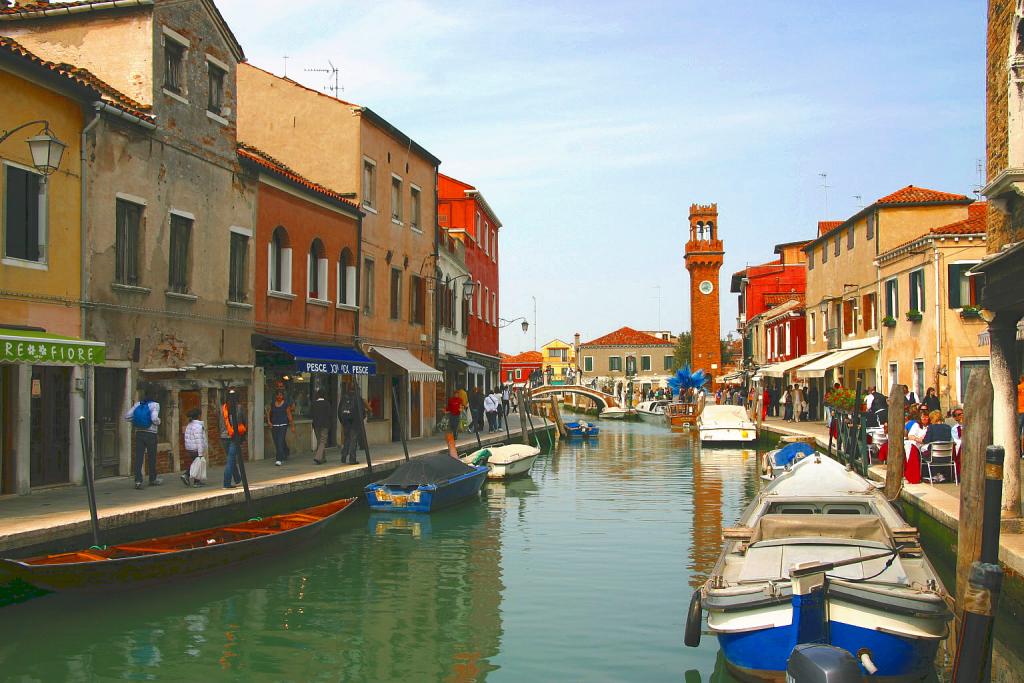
column 467, row 411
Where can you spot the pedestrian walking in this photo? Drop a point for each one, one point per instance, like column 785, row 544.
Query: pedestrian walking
column 279, row 419
column 349, row 413
column 320, row 411
column 195, row 448
column 786, row 402
column 476, row 407
column 233, row 426
column 798, row 403
column 454, row 412
column 145, row 418
column 491, row 408
column 506, row 398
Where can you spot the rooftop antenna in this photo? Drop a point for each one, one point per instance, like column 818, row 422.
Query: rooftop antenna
column 981, row 178
column 658, row 287
column 824, row 189
column 286, row 66
column 860, row 201
column 332, row 86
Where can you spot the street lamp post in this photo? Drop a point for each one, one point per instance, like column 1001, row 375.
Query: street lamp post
column 47, row 151
column 534, row 322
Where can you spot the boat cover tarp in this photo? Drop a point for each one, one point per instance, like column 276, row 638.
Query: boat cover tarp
column 855, row 527
column 429, row 469
column 788, row 453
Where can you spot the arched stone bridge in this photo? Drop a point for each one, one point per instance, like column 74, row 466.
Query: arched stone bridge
column 599, row 397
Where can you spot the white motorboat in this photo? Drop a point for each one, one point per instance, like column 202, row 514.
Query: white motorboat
column 821, row 556
column 652, row 411
column 725, row 424
column 504, row 461
column 614, row 414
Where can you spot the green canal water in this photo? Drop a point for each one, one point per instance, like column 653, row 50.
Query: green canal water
column 581, row 572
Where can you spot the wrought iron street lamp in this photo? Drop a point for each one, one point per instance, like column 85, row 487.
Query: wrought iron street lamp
column 47, row 151
column 505, row 323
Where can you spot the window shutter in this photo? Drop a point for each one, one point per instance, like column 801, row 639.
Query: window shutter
column 321, row 290
column 350, row 285
column 286, row 270
column 954, row 272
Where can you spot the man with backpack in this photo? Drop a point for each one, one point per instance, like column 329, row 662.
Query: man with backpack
column 350, row 415
column 145, row 418
column 233, row 426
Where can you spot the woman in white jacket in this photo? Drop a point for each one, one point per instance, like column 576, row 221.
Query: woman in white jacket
column 195, row 446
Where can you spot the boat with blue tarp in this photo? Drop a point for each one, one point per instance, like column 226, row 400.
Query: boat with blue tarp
column 581, row 429
column 776, row 462
column 821, row 556
column 425, row 484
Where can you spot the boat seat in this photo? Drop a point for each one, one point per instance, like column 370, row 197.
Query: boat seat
column 775, row 527
column 144, row 549
column 244, row 530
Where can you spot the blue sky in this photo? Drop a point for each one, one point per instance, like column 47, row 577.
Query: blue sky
column 591, row 127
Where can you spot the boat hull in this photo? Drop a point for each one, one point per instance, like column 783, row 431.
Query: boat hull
column 727, row 435
column 383, row 498
column 513, row 469
column 158, row 567
column 651, row 418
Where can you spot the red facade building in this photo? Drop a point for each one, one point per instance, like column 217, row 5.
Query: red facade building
column 516, row 369
column 463, row 211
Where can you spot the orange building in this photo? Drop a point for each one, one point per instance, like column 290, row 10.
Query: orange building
column 304, row 298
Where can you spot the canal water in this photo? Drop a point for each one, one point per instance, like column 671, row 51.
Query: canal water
column 581, row 572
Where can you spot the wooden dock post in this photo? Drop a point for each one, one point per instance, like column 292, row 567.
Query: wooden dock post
column 522, row 416
column 897, row 458
column 977, row 436
column 557, row 418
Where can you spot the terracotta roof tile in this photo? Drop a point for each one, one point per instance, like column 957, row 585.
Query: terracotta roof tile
column 915, row 195
column 81, row 77
column 627, row 336
column 825, row 226
column 976, row 222
column 525, row 357
column 26, row 7
column 264, row 160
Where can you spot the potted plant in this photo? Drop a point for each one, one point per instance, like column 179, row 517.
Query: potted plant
column 841, row 399
column 914, row 316
column 970, row 313
column 889, row 321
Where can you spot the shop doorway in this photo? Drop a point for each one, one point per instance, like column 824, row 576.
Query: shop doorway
column 8, row 384
column 415, row 408
column 51, row 425
column 109, row 401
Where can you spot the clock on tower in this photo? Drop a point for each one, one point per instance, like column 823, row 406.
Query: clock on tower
column 704, row 253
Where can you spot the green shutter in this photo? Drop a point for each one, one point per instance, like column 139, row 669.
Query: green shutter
column 954, row 272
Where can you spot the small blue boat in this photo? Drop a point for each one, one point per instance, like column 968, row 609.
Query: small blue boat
column 426, row 484
column 581, row 428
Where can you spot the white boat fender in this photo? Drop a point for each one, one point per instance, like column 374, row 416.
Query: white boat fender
column 865, row 660
column 691, row 633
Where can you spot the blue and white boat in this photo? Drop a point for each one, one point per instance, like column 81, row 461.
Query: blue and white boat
column 820, row 556
column 425, row 484
column 581, row 428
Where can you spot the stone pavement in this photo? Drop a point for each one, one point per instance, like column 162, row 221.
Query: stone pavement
column 941, row 502
column 48, row 515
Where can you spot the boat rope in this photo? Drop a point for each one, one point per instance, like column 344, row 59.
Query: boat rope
column 255, row 519
column 888, row 563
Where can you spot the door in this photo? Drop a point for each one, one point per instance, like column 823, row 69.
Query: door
column 108, row 401
column 967, row 367
column 51, row 425
column 415, row 409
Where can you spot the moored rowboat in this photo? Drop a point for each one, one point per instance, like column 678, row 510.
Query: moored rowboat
column 170, row 557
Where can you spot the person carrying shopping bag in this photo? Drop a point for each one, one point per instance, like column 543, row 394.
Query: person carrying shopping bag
column 195, row 446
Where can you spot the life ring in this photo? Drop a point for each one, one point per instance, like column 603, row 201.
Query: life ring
column 691, row 634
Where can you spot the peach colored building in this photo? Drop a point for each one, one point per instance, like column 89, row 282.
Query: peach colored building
column 393, row 179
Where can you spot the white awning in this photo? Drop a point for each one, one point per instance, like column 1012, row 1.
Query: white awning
column 818, row 367
column 781, row 368
column 418, row 370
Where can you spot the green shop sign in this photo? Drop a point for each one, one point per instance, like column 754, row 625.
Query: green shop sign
column 17, row 346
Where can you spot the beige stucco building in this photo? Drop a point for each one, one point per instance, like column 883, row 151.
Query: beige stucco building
column 843, row 295
column 940, row 348
column 612, row 359
column 353, row 150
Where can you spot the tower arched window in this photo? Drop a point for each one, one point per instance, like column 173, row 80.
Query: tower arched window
column 346, row 278
column 279, row 262
column 316, row 271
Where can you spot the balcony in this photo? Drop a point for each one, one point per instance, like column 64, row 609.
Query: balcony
column 833, row 338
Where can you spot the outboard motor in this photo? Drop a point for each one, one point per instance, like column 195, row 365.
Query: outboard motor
column 816, row 663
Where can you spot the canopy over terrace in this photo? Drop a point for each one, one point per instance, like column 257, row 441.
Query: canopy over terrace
column 781, row 368
column 43, row 348
column 418, row 370
column 335, row 360
column 832, row 360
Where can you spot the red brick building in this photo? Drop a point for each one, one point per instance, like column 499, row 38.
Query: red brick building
column 463, row 211
column 517, row 369
column 305, row 317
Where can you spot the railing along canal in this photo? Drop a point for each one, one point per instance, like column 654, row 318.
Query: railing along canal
column 847, row 432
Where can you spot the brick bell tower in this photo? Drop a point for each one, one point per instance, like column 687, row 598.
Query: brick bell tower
column 704, row 253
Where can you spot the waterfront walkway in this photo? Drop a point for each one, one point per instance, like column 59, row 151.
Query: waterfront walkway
column 941, row 502
column 48, row 515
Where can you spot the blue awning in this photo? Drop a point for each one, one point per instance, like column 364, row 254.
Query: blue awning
column 335, row 360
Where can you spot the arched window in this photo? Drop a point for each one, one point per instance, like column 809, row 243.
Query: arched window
column 316, row 271
column 346, row 278
column 279, row 263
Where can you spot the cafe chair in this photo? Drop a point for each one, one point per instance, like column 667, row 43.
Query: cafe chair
column 938, row 455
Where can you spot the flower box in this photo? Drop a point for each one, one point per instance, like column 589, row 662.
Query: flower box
column 889, row 321
column 914, row 316
column 970, row 313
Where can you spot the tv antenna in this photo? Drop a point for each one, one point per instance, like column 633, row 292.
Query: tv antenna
column 824, row 189
column 981, row 178
column 658, row 287
column 332, row 86
column 860, row 200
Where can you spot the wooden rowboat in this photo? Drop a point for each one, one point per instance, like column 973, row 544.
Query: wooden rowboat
column 170, row 557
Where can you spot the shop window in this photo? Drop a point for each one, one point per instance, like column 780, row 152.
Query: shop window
column 181, row 239
column 24, row 197
column 127, row 240
column 280, row 262
column 375, row 397
column 238, row 286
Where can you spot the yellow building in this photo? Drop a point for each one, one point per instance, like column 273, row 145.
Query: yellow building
column 843, row 282
column 42, row 365
column 558, row 358
column 930, row 318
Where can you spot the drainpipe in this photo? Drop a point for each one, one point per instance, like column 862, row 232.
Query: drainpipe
column 938, row 322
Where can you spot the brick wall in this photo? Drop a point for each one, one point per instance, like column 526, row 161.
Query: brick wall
column 1000, row 27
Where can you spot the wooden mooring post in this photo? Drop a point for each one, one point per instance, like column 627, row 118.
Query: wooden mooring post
column 897, row 459
column 521, row 414
column 557, row 415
